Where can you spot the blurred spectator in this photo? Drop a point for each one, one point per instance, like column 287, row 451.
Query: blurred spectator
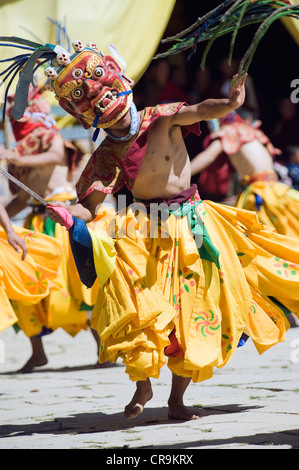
column 292, row 164
column 162, row 83
column 286, row 130
column 155, row 80
column 293, row 155
column 173, row 90
column 221, row 86
column 200, row 88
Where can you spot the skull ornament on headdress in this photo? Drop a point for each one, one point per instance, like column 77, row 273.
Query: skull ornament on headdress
column 90, row 86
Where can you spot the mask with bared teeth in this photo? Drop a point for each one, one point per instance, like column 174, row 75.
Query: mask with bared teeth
column 91, row 86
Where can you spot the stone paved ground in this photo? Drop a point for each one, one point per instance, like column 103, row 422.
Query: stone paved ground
column 252, row 403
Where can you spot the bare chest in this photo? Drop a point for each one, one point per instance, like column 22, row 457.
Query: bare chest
column 165, row 149
column 44, row 180
column 165, row 166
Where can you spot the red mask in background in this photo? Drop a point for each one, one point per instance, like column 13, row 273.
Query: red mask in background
column 37, row 114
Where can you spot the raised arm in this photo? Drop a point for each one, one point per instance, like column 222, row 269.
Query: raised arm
column 55, row 155
column 206, row 157
column 212, row 108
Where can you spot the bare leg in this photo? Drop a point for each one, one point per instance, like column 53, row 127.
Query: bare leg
column 38, row 357
column 142, row 395
column 99, row 365
column 176, row 407
column 292, row 321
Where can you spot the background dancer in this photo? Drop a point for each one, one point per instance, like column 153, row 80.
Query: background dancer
column 45, row 162
column 28, row 277
column 251, row 154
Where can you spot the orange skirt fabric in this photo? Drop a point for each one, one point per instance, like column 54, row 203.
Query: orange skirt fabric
column 30, row 281
column 67, row 308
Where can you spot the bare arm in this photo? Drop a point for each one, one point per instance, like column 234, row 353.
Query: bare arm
column 206, row 157
column 55, row 155
column 4, row 219
column 211, row 108
column 13, row 239
column 85, row 210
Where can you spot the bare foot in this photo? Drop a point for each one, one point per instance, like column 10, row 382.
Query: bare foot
column 180, row 411
column 32, row 363
column 142, row 395
column 176, row 407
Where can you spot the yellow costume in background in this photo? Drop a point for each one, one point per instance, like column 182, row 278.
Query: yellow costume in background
column 276, row 203
column 66, row 308
column 29, row 281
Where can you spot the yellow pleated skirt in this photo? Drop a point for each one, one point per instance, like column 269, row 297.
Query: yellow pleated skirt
column 243, row 278
column 29, row 281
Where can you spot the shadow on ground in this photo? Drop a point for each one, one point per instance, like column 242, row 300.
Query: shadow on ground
column 92, row 423
column 43, row 370
column 86, row 423
column 280, row 438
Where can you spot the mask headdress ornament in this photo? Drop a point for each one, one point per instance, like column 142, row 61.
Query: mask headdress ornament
column 38, row 109
column 25, row 66
column 229, row 17
column 90, row 86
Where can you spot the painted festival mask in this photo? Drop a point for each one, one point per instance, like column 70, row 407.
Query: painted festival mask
column 90, row 86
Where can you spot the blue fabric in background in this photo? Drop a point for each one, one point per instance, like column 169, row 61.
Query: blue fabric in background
column 294, row 174
column 259, row 201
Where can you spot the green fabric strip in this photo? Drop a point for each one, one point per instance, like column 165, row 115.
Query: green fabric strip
column 49, row 227
column 285, row 310
column 246, row 190
column 84, row 307
column 204, row 244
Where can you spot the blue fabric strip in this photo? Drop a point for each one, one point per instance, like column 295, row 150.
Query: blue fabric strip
column 123, row 93
column 45, row 331
column 97, row 130
column 95, row 135
column 81, row 245
column 243, row 340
